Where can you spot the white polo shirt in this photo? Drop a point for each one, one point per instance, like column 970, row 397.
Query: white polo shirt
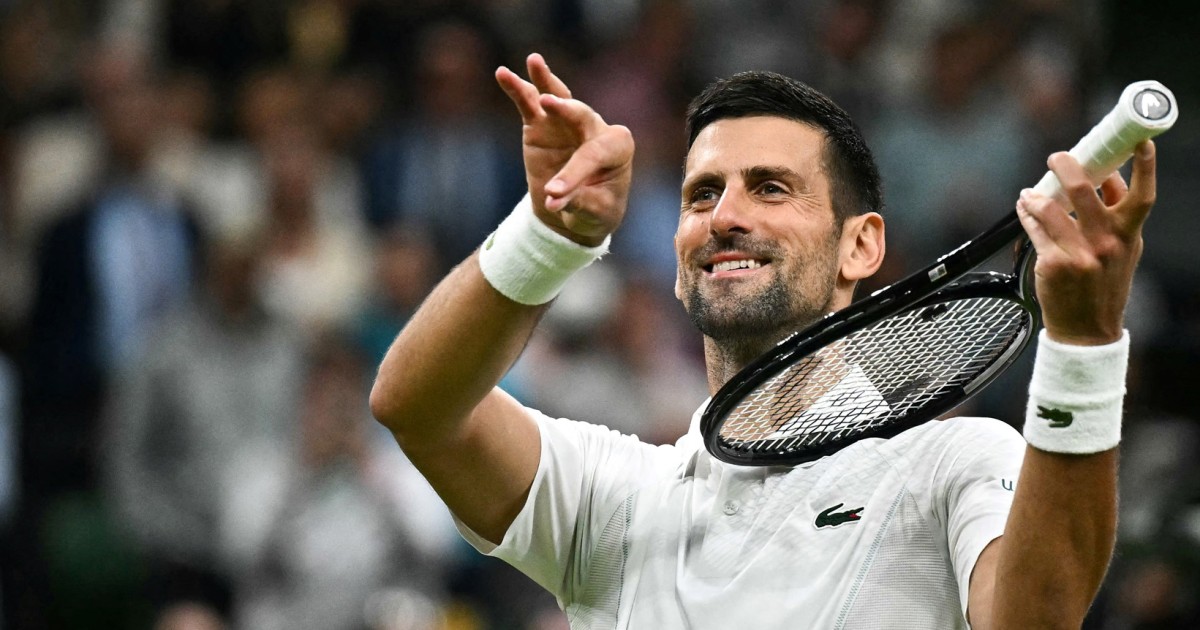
column 883, row 534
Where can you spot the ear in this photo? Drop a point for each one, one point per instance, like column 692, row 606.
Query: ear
column 678, row 267
column 862, row 248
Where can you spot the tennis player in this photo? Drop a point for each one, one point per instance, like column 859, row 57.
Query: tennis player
column 950, row 524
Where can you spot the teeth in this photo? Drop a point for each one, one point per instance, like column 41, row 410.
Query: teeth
column 729, row 265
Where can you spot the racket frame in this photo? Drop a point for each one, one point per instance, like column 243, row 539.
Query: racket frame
column 947, row 279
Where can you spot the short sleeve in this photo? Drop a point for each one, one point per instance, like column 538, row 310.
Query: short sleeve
column 984, row 460
column 584, row 474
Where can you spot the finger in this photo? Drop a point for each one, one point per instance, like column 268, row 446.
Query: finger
column 522, row 93
column 585, row 212
column 594, row 160
column 1132, row 211
column 1078, row 188
column 1053, row 221
column 576, row 114
column 1042, row 242
column 590, row 163
column 1113, row 189
column 546, row 81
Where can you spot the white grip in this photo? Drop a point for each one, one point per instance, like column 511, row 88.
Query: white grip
column 1146, row 109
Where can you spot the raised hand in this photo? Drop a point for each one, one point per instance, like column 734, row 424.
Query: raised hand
column 1085, row 263
column 578, row 167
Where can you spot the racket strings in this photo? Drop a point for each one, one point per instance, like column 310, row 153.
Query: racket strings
column 875, row 377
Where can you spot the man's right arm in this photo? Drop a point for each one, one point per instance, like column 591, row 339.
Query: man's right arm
column 435, row 389
column 436, row 392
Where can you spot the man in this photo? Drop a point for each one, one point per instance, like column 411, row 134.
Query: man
column 778, row 221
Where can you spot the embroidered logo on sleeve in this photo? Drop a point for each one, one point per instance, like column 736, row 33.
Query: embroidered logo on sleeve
column 1058, row 418
column 830, row 518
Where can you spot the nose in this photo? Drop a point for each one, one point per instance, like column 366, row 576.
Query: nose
column 731, row 214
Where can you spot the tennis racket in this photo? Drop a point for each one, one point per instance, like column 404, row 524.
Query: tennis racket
column 917, row 348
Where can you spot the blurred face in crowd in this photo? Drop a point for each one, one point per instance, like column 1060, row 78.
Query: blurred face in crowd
column 334, row 417
column 131, row 118
column 293, row 160
column 407, row 267
column 757, row 243
column 453, row 62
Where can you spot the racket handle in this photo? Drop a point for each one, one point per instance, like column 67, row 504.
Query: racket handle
column 1145, row 109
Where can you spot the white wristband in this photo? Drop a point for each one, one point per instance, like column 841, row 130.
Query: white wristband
column 1075, row 396
column 528, row 262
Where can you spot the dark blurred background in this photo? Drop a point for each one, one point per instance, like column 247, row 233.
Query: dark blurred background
column 216, row 214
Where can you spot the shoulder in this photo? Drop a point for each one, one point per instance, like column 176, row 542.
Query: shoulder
column 949, row 451
column 958, row 433
column 604, row 452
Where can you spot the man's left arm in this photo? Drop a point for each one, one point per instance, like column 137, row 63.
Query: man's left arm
column 1046, row 569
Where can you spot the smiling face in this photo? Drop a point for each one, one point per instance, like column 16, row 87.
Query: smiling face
column 758, row 244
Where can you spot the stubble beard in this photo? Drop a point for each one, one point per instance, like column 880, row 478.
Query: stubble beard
column 746, row 323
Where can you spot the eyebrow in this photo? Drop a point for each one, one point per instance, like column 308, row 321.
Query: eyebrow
column 703, row 179
column 760, row 173
column 750, row 174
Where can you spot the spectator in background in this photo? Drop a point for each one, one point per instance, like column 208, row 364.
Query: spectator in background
column 1150, row 585
column 277, row 102
column 406, row 268
column 1151, row 594
column 754, row 35
column 61, row 156
column 446, row 167
column 313, row 272
column 232, row 179
column 957, row 152
column 107, row 270
column 106, row 273
column 32, row 50
column 846, row 57
column 219, row 377
column 32, row 47
column 315, row 527
column 224, row 39
column 52, row 154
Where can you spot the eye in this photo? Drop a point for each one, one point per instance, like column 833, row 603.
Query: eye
column 704, row 194
column 771, row 188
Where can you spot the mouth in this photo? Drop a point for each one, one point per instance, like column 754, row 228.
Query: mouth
column 733, row 265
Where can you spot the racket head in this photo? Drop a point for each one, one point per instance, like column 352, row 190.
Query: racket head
column 874, row 376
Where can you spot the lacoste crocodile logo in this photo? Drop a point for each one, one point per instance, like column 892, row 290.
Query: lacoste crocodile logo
column 1058, row 418
column 829, row 518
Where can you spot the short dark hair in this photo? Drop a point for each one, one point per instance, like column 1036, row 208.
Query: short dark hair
column 853, row 175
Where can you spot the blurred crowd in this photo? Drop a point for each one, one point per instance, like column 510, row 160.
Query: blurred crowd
column 215, row 215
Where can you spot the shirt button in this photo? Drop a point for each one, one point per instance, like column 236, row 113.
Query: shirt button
column 732, row 507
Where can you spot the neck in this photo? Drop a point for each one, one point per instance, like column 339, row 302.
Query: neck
column 726, row 357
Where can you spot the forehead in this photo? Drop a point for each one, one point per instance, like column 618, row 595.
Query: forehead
column 733, row 144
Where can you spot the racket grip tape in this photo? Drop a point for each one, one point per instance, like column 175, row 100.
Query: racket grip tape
column 1145, row 109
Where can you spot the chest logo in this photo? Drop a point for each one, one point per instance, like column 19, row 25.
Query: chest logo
column 831, row 518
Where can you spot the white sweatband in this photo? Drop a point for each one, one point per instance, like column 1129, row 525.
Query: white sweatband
column 1075, row 396
column 528, row 262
